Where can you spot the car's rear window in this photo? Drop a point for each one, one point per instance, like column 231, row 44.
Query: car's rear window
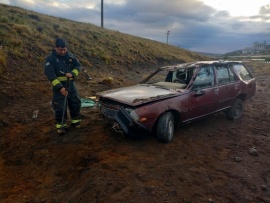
column 242, row 72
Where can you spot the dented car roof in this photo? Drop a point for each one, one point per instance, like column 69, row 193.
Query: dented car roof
column 197, row 63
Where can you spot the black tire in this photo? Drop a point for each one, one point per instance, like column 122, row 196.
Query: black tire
column 165, row 127
column 236, row 110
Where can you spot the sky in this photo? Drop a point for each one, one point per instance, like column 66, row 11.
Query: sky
column 211, row 26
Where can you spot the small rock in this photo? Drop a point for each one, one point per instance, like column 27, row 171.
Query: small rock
column 35, row 114
column 3, row 123
column 193, row 169
column 237, row 159
column 264, row 187
column 18, row 161
column 252, row 151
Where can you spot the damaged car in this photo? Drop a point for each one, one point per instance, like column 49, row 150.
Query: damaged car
column 178, row 94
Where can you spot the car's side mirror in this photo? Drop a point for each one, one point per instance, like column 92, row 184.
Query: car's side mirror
column 199, row 92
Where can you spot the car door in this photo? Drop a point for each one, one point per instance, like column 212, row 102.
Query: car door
column 203, row 97
column 227, row 84
column 247, row 82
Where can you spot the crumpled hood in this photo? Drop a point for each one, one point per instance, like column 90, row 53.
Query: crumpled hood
column 137, row 94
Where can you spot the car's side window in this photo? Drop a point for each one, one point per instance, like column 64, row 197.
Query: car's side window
column 222, row 75
column 225, row 75
column 242, row 72
column 205, row 78
column 232, row 75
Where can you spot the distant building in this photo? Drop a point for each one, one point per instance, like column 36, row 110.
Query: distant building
column 256, row 48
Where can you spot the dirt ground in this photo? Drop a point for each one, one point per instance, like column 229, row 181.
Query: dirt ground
column 211, row 160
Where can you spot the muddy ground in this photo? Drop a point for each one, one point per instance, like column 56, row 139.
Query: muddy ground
column 210, row 160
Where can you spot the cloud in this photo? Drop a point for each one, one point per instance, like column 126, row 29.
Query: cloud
column 154, row 11
column 192, row 24
column 265, row 9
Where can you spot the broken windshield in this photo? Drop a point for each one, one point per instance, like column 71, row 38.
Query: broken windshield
column 172, row 77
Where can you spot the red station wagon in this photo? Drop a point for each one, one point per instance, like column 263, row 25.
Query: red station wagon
column 178, row 94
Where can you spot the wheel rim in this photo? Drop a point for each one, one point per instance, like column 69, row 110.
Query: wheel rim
column 170, row 129
column 237, row 110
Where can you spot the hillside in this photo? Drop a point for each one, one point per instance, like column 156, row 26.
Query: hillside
column 27, row 37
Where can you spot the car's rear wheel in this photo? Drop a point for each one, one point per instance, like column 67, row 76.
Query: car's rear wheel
column 235, row 111
column 165, row 127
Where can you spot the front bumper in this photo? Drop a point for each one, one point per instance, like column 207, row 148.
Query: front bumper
column 121, row 120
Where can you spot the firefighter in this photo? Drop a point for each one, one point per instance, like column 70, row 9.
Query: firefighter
column 62, row 68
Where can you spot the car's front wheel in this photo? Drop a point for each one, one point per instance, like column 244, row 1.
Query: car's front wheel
column 165, row 127
column 235, row 111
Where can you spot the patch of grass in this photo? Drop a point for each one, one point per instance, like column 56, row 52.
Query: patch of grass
column 3, row 19
column 56, row 27
column 267, row 59
column 85, row 63
column 16, row 42
column 23, row 30
column 259, row 68
column 34, row 16
column 3, row 60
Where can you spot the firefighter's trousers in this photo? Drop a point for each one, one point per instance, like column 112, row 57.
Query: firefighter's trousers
column 73, row 104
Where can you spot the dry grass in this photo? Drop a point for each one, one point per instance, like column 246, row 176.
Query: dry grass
column 262, row 68
column 3, row 61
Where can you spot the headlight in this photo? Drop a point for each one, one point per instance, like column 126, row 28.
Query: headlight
column 133, row 114
column 96, row 97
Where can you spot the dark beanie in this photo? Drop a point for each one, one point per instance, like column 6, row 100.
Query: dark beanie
column 60, row 42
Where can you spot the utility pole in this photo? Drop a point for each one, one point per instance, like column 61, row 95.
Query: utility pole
column 168, row 36
column 101, row 13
